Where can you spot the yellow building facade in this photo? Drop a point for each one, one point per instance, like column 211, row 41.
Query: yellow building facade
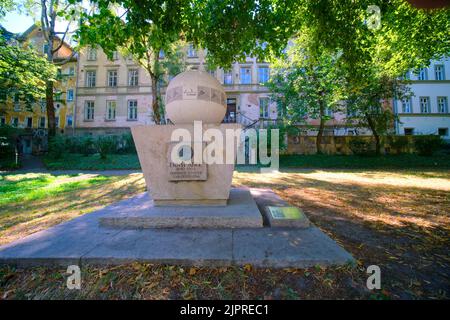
column 33, row 118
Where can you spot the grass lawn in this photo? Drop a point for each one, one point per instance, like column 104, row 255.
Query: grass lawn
column 396, row 220
column 130, row 161
column 73, row 161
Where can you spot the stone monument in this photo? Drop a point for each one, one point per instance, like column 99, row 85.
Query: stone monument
column 190, row 96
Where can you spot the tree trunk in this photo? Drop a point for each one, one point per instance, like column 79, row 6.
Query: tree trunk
column 372, row 126
column 321, row 128
column 155, row 100
column 50, row 109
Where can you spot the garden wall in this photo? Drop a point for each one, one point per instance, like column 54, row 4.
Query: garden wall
column 341, row 144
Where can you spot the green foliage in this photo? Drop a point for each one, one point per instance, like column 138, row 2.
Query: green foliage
column 106, row 145
column 23, row 73
column 427, row 145
column 75, row 161
column 398, row 143
column 57, row 146
column 128, row 144
column 305, row 85
column 8, row 137
column 361, row 146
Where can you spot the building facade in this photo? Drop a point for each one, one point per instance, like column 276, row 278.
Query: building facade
column 427, row 111
column 33, row 118
column 115, row 94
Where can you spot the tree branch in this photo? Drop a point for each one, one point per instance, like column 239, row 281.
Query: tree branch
column 62, row 39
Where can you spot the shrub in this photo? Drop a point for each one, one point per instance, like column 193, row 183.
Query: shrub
column 128, row 143
column 427, row 145
column 86, row 145
column 361, row 146
column 57, row 146
column 398, row 143
column 106, row 145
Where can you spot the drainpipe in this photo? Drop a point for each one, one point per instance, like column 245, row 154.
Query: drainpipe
column 74, row 116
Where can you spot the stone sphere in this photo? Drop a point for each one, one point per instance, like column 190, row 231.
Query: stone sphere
column 195, row 95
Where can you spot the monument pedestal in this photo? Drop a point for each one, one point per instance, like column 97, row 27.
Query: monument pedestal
column 172, row 184
column 241, row 211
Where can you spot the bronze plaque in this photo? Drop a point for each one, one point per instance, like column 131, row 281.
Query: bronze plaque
column 187, row 170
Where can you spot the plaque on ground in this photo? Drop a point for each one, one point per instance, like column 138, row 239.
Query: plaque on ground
column 286, row 213
column 286, row 216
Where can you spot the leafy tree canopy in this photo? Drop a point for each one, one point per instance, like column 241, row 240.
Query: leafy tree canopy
column 23, row 73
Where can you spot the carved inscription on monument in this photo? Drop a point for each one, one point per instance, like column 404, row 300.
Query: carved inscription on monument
column 187, row 170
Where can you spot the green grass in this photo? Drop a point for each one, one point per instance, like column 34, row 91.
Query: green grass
column 32, row 202
column 41, row 186
column 93, row 162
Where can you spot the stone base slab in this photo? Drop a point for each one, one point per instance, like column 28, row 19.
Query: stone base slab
column 82, row 241
column 241, row 211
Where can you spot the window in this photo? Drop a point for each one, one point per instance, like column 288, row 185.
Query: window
column 443, row 131
column 263, row 74
column 15, row 122
column 408, row 131
column 92, row 54
column 442, row 104
column 58, row 96
column 115, row 55
column 69, row 120
column 89, row 110
column 406, row 105
column 133, row 77
column 43, row 105
column 112, row 78
column 56, row 122
column 132, row 109
column 227, row 77
column 29, row 122
column 191, row 52
column 161, row 54
column 42, row 122
column 90, row 78
column 45, row 48
column 264, row 107
column 2, row 121
column 423, row 74
column 246, row 75
column 16, row 103
column 69, row 95
column 72, row 71
column 111, row 110
column 328, row 112
column 439, row 72
column 425, row 105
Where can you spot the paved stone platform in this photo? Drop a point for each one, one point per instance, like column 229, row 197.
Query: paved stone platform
column 84, row 241
column 140, row 213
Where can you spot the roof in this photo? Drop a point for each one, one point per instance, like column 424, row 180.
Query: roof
column 7, row 34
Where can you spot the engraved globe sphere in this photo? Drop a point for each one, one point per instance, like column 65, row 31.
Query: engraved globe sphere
column 195, row 95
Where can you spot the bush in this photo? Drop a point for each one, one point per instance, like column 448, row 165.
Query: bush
column 106, row 145
column 398, row 143
column 128, row 144
column 361, row 146
column 57, row 146
column 427, row 145
column 86, row 145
